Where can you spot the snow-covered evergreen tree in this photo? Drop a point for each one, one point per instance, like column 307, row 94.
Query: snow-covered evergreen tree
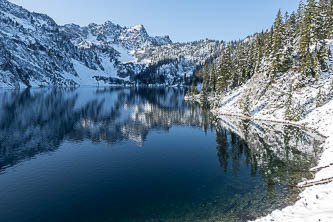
column 319, row 99
column 246, row 105
column 225, row 70
column 289, row 106
column 278, row 55
column 299, row 112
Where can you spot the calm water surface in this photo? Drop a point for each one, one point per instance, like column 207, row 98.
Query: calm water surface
column 127, row 155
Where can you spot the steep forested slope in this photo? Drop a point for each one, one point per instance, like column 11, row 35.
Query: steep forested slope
column 285, row 71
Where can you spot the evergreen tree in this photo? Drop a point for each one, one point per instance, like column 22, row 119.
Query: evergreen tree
column 329, row 23
column 291, row 34
column 212, row 80
column 259, row 51
column 300, row 16
column 322, row 26
column 305, row 41
column 242, row 63
column 268, row 43
column 311, row 13
column 322, row 20
column 205, row 76
column 246, row 110
column 315, row 64
column 299, row 112
column 277, row 55
column 323, row 57
column 225, row 71
column 250, row 63
column 319, row 99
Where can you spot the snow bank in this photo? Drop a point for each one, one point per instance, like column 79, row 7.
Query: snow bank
column 125, row 56
column 86, row 76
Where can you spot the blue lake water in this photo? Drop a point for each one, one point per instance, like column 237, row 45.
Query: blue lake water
column 140, row 154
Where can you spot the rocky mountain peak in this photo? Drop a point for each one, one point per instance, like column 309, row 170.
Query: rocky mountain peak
column 35, row 52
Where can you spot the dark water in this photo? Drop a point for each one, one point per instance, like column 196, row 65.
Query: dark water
column 132, row 155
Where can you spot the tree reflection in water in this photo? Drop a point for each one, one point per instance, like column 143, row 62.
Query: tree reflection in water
column 281, row 154
column 35, row 121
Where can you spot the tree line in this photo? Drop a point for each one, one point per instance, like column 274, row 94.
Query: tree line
column 295, row 42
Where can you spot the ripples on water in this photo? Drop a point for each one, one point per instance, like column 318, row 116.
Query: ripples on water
column 141, row 155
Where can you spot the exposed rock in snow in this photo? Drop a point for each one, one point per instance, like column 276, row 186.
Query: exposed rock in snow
column 35, row 51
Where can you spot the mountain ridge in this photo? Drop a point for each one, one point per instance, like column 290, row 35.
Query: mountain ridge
column 36, row 52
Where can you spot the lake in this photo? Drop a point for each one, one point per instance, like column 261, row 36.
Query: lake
column 141, row 154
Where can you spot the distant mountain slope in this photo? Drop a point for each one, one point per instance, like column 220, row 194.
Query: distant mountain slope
column 35, row 51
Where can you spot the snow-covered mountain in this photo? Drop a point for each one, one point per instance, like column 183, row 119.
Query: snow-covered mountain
column 35, row 51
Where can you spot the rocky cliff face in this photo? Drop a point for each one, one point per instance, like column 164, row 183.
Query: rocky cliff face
column 35, row 51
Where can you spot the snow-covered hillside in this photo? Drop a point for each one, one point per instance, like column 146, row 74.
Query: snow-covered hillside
column 284, row 75
column 268, row 103
column 35, row 51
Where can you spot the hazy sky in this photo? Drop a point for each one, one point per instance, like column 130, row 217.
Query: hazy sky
column 183, row 20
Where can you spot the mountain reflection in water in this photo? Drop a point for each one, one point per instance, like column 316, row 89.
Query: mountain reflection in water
column 255, row 170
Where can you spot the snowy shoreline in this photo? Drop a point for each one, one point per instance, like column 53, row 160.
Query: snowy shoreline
column 315, row 203
column 291, row 123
